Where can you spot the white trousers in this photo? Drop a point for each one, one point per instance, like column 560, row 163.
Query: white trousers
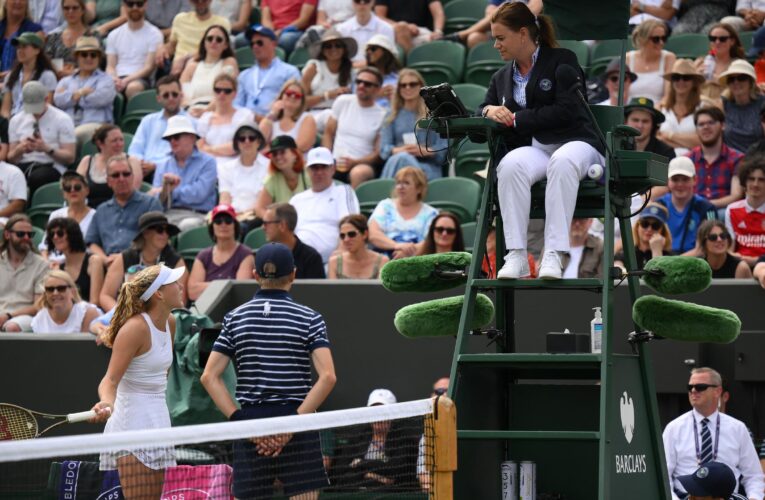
column 563, row 166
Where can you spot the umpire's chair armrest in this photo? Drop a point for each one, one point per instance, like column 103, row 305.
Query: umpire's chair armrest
column 625, row 131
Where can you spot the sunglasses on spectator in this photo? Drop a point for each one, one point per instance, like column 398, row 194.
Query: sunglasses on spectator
column 715, row 236
column 658, row 39
column 134, row 4
column 21, row 234
column 58, row 288
column 440, row 391
column 699, row 387
column 333, row 45
column 362, row 1
column 58, row 233
column 410, row 85
column 721, row 39
column 738, row 78
column 655, row 225
column 216, row 39
column 444, row 229
column 219, row 90
column 68, row 188
column 247, row 138
column 158, row 229
column 682, row 78
column 117, row 175
column 349, row 234
column 89, row 55
column 366, row 83
column 372, row 48
column 168, row 95
column 223, row 219
column 615, row 79
column 70, row 8
column 293, row 94
column 258, row 43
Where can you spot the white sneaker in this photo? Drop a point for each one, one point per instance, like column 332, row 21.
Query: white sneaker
column 551, row 267
column 516, row 266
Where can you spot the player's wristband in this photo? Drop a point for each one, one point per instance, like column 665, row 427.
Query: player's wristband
column 237, row 415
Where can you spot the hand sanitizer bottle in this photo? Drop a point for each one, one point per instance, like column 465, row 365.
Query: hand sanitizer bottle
column 596, row 331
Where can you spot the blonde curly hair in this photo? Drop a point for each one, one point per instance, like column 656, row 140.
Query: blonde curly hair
column 129, row 301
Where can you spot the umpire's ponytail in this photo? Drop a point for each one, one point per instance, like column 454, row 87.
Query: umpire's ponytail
column 517, row 15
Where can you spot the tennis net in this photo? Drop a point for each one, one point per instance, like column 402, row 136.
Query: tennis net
column 388, row 451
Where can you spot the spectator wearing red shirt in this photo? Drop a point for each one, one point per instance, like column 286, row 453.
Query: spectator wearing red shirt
column 745, row 219
column 289, row 19
column 716, row 164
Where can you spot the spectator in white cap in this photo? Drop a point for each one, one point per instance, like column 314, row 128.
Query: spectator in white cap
column 382, row 54
column 87, row 95
column 41, row 138
column 185, row 182
column 686, row 210
column 321, row 207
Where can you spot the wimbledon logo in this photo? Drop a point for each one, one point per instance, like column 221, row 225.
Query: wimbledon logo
column 627, row 411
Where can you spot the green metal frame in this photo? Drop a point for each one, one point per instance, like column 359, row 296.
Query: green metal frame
column 496, row 393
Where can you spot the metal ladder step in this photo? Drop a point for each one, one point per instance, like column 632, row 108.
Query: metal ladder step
column 537, row 366
column 569, row 284
column 530, row 435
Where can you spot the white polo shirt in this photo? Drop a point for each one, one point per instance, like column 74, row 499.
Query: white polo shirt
column 13, row 186
column 362, row 34
column 56, row 129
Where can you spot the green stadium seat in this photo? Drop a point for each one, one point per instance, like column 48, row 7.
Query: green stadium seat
column 468, row 234
column 747, row 37
column 372, row 192
column 280, row 53
column 192, row 241
column 38, row 237
column 458, row 195
column 142, row 103
column 45, row 200
column 688, row 45
column 255, row 238
column 145, row 187
column 470, row 158
column 470, row 94
column 255, row 16
column 483, row 61
column 602, row 53
column 299, row 57
column 244, row 57
column 89, row 148
column 118, row 108
column 438, row 61
column 579, row 48
column 461, row 14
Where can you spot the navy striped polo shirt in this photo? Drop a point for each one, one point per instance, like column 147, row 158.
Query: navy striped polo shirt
column 270, row 339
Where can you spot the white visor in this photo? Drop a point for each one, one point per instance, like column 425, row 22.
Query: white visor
column 165, row 277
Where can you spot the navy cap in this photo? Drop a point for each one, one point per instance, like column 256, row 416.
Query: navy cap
column 713, row 479
column 259, row 29
column 655, row 211
column 274, row 260
column 758, row 44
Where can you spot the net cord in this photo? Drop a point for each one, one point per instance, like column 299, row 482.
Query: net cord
column 53, row 447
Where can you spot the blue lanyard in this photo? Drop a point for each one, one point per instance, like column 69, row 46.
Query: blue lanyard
column 696, row 439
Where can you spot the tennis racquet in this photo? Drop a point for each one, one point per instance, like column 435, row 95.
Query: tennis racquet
column 19, row 423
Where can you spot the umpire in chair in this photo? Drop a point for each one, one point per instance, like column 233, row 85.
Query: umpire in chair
column 551, row 134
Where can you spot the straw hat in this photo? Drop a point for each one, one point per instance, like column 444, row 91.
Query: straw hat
column 738, row 67
column 684, row 67
column 87, row 44
column 351, row 47
column 384, row 42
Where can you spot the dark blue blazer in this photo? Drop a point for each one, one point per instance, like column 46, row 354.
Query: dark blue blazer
column 554, row 112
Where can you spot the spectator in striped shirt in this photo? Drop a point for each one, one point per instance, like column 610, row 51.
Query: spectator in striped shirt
column 259, row 336
column 716, row 164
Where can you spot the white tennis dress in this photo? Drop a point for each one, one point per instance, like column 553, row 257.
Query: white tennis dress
column 140, row 402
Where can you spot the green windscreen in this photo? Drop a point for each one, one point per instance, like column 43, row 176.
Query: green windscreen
column 589, row 19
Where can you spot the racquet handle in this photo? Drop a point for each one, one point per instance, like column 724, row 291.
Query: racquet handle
column 82, row 416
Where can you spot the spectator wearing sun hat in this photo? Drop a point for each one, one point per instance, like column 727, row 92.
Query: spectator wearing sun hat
column 87, row 96
column 611, row 81
column 227, row 259
column 321, row 207
column 260, row 85
column 185, row 182
column 678, row 105
column 641, row 114
column 741, row 102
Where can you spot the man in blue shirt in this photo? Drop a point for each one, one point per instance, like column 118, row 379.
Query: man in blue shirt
column 115, row 223
column 273, row 341
column 148, row 145
column 187, row 179
column 260, row 84
column 686, row 210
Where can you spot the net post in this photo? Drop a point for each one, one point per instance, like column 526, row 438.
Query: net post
column 444, row 447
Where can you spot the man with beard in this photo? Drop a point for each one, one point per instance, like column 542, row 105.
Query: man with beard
column 23, row 271
column 130, row 51
column 148, row 145
column 186, row 33
column 716, row 164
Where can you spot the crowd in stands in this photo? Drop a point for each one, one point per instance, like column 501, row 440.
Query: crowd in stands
column 235, row 137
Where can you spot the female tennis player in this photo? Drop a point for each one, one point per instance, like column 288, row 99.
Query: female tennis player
column 132, row 392
column 552, row 137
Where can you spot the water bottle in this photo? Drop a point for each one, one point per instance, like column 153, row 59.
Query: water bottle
column 709, row 65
